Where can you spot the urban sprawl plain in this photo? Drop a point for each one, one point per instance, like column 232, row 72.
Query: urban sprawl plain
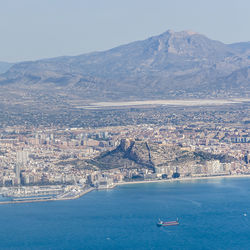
column 116, row 145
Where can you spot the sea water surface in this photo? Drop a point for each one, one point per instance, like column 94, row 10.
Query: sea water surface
column 213, row 214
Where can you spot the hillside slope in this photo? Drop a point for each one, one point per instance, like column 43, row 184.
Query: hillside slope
column 171, row 65
column 141, row 154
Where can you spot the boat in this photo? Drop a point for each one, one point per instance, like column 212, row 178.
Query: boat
column 161, row 223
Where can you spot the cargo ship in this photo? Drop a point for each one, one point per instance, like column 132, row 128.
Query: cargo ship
column 168, row 223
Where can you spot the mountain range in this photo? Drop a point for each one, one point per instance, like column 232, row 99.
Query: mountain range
column 171, row 65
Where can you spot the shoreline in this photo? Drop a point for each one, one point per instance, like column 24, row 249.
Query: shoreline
column 186, row 179
column 127, row 183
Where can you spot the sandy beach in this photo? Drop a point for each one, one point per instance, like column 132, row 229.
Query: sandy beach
column 186, row 179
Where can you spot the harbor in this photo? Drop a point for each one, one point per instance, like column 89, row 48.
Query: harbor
column 41, row 194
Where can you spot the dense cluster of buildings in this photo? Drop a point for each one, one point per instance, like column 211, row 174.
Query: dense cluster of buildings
column 52, row 156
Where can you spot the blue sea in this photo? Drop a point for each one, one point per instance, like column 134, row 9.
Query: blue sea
column 213, row 214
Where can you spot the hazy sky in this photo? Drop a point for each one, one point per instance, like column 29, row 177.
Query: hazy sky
column 34, row 29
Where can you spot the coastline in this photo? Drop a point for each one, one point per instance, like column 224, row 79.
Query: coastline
column 186, row 179
column 127, row 183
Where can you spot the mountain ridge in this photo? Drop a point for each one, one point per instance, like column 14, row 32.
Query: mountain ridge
column 171, row 65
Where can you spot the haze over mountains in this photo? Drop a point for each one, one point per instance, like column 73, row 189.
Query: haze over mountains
column 4, row 66
column 172, row 65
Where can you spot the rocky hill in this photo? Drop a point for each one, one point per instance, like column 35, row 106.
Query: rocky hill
column 170, row 65
column 141, row 154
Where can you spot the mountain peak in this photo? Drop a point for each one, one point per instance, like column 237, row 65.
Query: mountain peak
column 189, row 43
column 190, row 32
column 180, row 33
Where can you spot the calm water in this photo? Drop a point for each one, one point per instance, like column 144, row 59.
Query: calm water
column 211, row 213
